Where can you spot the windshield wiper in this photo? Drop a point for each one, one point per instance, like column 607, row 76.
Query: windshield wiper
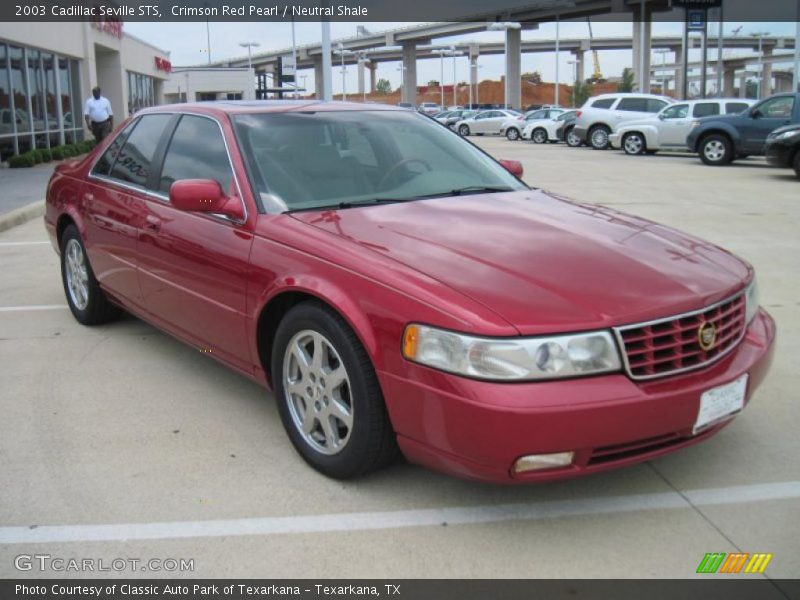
column 340, row 205
column 478, row 189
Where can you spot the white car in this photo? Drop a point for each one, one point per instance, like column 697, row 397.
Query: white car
column 429, row 108
column 512, row 128
column 486, row 121
column 600, row 115
column 668, row 129
column 545, row 130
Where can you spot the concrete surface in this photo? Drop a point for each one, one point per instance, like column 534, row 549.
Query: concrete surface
column 23, row 186
column 124, row 427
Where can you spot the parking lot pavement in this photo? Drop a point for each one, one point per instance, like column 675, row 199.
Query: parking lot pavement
column 23, row 186
column 120, row 442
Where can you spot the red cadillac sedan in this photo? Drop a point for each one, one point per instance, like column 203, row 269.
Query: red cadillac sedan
column 402, row 291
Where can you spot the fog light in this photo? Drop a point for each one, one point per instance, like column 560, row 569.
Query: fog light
column 538, row 462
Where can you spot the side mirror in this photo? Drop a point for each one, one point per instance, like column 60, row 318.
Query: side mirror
column 662, row 117
column 755, row 113
column 512, row 166
column 206, row 196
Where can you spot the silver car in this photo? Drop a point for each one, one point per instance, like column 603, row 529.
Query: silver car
column 486, row 121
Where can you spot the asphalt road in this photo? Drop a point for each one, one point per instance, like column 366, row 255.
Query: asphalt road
column 23, row 186
column 120, row 442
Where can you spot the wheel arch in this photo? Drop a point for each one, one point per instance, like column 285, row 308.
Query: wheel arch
column 729, row 132
column 276, row 305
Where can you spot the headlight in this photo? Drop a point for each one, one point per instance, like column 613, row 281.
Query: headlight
column 787, row 134
column 751, row 301
column 512, row 359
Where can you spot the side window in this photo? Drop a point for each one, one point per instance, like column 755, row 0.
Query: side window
column 539, row 114
column 678, row 111
column 134, row 163
column 654, row 106
column 734, row 108
column 633, row 104
column 196, row 151
column 705, row 109
column 603, row 103
column 777, row 107
column 103, row 166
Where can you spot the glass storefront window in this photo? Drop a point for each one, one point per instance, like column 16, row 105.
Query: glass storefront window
column 36, row 78
column 50, row 98
column 19, row 89
column 141, row 92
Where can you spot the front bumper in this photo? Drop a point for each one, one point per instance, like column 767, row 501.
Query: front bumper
column 614, row 140
column 478, row 429
column 779, row 154
column 581, row 132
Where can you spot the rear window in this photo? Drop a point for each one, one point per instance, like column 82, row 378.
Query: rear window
column 603, row 103
column 646, row 105
column 133, row 164
column 734, row 108
column 705, row 109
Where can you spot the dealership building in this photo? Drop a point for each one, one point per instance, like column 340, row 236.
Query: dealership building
column 47, row 71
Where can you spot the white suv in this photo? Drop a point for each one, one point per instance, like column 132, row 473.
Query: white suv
column 601, row 115
column 668, row 129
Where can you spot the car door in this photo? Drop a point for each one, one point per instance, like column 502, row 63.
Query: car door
column 482, row 121
column 193, row 266
column 114, row 200
column 673, row 126
column 765, row 118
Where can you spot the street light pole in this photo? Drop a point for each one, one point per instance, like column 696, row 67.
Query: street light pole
column 558, row 53
column 760, row 81
column 341, row 51
column 454, row 53
column 574, row 64
column 249, row 45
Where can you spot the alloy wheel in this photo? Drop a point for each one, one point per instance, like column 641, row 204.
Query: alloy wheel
column 714, row 150
column 540, row 136
column 318, row 392
column 634, row 144
column 77, row 275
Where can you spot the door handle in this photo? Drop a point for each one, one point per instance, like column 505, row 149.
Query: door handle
column 152, row 223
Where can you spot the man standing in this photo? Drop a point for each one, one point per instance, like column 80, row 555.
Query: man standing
column 98, row 115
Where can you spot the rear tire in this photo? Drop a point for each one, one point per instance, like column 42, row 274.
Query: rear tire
column 598, row 137
column 716, row 150
column 633, row 143
column 463, row 130
column 512, row 134
column 539, row 136
column 796, row 164
column 87, row 302
column 328, row 394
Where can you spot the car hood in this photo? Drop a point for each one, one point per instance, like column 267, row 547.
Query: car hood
column 784, row 129
column 543, row 263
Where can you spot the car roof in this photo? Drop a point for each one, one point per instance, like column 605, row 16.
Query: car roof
column 698, row 100
column 266, row 106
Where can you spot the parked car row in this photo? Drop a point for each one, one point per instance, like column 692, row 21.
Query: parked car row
column 719, row 130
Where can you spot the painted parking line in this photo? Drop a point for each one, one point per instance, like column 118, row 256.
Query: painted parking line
column 6, row 244
column 365, row 521
column 33, row 307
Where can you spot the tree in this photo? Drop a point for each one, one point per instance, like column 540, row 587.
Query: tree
column 383, row 86
column 626, row 85
column 581, row 92
column 433, row 83
column 534, row 78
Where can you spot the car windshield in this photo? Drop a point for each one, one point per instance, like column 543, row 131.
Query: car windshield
column 308, row 160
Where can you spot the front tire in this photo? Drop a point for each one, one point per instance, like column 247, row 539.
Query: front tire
column 598, row 137
column 539, row 136
column 512, row 134
column 796, row 164
column 633, row 144
column 463, row 130
column 328, row 395
column 87, row 302
column 716, row 150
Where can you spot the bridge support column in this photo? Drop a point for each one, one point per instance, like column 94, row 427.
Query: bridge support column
column 580, row 66
column 641, row 49
column 318, row 76
column 728, row 80
column 409, row 91
column 361, row 82
column 372, row 68
column 743, row 85
column 766, row 75
column 514, row 68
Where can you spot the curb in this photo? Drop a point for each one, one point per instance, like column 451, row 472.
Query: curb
column 21, row 215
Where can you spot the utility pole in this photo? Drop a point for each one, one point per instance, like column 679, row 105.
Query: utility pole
column 327, row 92
column 249, row 45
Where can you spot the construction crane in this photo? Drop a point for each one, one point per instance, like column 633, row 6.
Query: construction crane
column 597, row 75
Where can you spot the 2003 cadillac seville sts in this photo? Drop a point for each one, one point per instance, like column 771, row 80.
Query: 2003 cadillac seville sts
column 400, row 290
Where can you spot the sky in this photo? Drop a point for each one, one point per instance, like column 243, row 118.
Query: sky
column 187, row 42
